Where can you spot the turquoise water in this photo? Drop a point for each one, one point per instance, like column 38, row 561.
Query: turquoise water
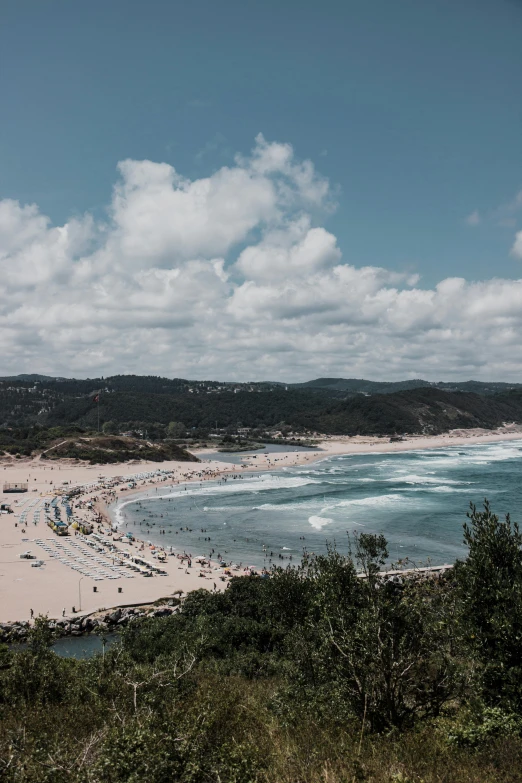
column 82, row 647
column 79, row 647
column 418, row 499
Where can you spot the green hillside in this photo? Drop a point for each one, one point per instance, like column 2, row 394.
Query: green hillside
column 414, row 411
column 361, row 386
column 150, row 404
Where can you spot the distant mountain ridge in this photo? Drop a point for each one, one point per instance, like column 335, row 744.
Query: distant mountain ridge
column 158, row 384
column 362, row 386
column 31, row 377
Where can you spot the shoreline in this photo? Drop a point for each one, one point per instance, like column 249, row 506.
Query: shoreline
column 343, row 445
column 55, row 586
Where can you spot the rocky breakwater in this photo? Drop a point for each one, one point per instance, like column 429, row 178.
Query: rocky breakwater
column 98, row 622
column 14, row 632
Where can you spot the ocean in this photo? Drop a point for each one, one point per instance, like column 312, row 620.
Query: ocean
column 417, row 499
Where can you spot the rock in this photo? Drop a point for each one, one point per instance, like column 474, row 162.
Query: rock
column 162, row 612
column 113, row 617
column 76, row 633
column 123, row 620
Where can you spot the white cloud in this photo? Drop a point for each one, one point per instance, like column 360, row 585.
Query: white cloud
column 473, row 219
column 297, row 249
column 516, row 250
column 161, row 218
column 230, row 276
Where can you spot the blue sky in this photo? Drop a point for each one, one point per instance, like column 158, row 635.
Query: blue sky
column 411, row 109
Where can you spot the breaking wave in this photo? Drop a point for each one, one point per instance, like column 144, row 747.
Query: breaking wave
column 319, row 522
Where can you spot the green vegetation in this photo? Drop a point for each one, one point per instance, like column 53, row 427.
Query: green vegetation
column 75, row 443
column 360, row 386
column 313, row 675
column 100, row 450
column 159, row 408
column 231, row 444
column 244, row 445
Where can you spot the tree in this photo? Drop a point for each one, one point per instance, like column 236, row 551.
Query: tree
column 176, row 429
column 375, row 648
column 490, row 586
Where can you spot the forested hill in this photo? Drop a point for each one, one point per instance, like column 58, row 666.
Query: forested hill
column 361, row 386
column 413, row 411
column 336, row 387
column 135, row 402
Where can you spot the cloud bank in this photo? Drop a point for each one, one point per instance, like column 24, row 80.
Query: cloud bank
column 231, row 276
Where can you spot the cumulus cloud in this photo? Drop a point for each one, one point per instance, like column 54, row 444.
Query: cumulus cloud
column 297, row 249
column 232, row 276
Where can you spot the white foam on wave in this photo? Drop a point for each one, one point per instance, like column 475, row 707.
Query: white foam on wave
column 413, row 478
column 445, row 488
column 298, row 506
column 473, row 454
column 329, row 507
column 440, row 488
column 221, row 509
column 375, row 500
column 264, row 482
column 319, row 522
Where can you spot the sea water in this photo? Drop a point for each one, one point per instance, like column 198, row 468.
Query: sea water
column 417, row 499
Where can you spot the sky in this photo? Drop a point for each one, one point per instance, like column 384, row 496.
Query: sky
column 252, row 190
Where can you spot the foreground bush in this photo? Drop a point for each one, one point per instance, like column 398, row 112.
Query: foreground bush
column 314, row 675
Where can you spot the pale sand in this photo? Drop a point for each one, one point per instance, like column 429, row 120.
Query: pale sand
column 55, row 586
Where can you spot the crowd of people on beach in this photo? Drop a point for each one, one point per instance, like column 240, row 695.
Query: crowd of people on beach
column 86, row 504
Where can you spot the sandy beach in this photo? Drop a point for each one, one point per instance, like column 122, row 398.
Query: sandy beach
column 73, row 573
